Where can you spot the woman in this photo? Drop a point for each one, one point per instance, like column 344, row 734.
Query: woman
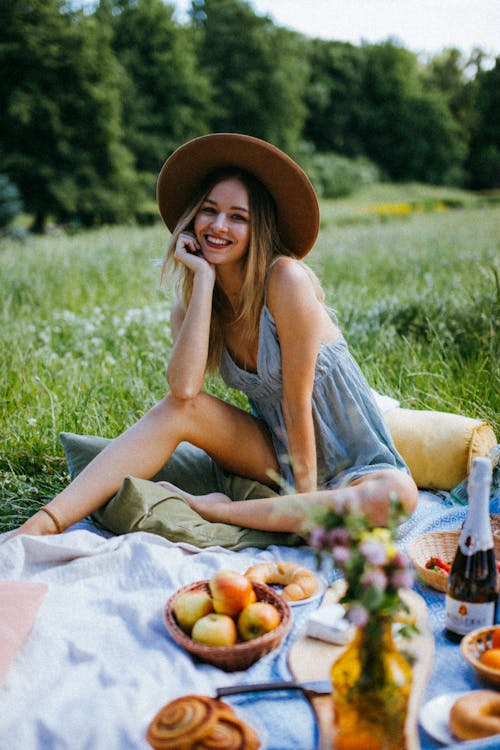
column 242, row 215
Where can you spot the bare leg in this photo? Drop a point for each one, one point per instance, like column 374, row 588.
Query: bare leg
column 236, row 440
column 292, row 513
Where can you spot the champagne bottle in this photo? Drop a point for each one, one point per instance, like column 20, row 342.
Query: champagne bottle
column 471, row 594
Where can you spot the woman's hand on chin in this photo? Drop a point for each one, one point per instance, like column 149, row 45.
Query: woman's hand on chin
column 188, row 252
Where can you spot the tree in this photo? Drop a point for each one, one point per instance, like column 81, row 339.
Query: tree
column 167, row 98
column 484, row 157
column 60, row 135
column 258, row 71
column 446, row 73
column 334, row 97
column 408, row 131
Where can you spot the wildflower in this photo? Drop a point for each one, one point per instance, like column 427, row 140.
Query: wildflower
column 337, row 536
column 373, row 568
column 375, row 552
column 375, row 577
column 341, row 554
column 317, row 537
column 357, row 615
column 402, row 579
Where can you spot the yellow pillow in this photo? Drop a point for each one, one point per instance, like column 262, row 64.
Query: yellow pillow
column 438, row 447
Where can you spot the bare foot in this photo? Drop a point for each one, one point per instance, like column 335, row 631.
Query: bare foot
column 202, row 504
column 176, row 490
column 207, row 505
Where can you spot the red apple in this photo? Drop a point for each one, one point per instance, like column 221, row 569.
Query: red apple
column 257, row 619
column 231, row 591
column 215, row 630
column 189, row 606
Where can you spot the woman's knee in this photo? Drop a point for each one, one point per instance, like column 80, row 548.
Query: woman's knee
column 185, row 418
column 379, row 487
column 171, row 405
column 400, row 485
column 406, row 490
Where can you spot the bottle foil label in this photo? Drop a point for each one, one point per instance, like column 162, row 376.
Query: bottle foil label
column 462, row 617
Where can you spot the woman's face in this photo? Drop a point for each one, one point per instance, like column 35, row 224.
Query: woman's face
column 222, row 224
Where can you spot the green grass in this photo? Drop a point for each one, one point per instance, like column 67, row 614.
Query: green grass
column 84, row 336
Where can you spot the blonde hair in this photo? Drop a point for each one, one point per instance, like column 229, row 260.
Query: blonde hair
column 264, row 246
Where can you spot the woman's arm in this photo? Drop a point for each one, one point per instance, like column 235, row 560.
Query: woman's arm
column 300, row 322
column 191, row 327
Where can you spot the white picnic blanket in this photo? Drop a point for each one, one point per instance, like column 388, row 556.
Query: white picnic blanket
column 99, row 663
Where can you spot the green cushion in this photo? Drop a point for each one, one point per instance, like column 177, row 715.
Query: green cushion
column 143, row 505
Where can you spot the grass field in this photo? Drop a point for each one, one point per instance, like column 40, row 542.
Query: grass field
column 84, row 338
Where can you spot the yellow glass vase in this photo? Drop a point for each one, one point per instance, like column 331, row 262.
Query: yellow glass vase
column 371, row 684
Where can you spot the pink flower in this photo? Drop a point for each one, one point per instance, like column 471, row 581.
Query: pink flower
column 402, row 579
column 341, row 554
column 375, row 577
column 399, row 560
column 374, row 552
column 338, row 536
column 317, row 537
column 357, row 615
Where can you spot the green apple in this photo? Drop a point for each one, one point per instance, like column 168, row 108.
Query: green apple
column 189, row 606
column 215, row 630
column 257, row 619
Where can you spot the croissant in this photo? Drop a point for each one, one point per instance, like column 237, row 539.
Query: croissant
column 298, row 582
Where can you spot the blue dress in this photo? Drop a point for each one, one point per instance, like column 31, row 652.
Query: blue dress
column 351, row 435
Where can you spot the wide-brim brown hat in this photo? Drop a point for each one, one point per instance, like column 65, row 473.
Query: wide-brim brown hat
column 296, row 203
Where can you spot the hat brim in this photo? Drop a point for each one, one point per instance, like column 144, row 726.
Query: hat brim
column 296, row 202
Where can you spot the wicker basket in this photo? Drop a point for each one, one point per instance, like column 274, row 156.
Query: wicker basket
column 241, row 655
column 441, row 544
column 476, row 643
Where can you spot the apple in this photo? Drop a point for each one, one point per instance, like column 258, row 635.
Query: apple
column 189, row 606
column 495, row 638
column 231, row 591
column 215, row 630
column 257, row 619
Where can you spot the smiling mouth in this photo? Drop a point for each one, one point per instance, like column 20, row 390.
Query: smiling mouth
column 216, row 241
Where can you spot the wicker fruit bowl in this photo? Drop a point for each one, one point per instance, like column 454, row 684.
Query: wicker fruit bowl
column 473, row 645
column 441, row 544
column 242, row 654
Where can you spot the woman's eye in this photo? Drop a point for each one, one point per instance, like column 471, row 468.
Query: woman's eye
column 208, row 209
column 239, row 217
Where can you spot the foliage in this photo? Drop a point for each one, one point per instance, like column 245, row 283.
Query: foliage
column 484, row 160
column 168, row 97
column 258, row 86
column 375, row 101
column 335, row 98
column 408, row 131
column 10, row 201
column 60, row 134
column 335, row 176
column 448, row 73
column 373, row 568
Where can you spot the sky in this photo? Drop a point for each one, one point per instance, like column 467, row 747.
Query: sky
column 423, row 26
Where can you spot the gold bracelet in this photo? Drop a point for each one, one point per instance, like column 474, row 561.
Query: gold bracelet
column 52, row 515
